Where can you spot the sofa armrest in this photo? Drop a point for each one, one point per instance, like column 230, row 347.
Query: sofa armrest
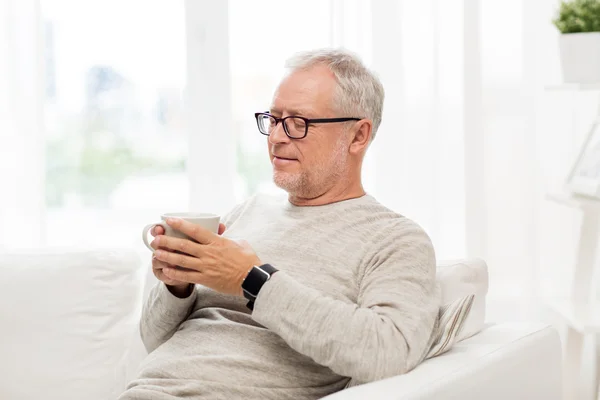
column 506, row 361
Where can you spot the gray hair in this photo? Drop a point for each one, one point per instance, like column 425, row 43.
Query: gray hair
column 360, row 93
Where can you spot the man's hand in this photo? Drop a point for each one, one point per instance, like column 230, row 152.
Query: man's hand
column 216, row 262
column 177, row 288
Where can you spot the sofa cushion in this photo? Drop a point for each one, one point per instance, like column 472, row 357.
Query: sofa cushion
column 452, row 319
column 460, row 278
column 68, row 320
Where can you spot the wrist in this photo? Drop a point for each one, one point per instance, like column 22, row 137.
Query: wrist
column 254, row 281
column 181, row 291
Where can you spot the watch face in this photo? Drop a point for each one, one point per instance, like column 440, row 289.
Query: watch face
column 255, row 280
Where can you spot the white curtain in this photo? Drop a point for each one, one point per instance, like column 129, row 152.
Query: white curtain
column 211, row 160
column 419, row 151
column 21, row 129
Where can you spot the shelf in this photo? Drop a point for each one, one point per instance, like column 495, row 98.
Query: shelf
column 573, row 200
column 573, row 86
column 584, row 321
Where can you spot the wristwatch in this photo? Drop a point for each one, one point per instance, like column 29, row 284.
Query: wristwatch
column 255, row 280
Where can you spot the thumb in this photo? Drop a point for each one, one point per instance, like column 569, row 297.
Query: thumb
column 222, row 228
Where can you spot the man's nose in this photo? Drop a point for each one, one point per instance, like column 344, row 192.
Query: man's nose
column 278, row 135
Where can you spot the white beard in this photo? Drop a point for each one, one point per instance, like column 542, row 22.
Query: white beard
column 324, row 174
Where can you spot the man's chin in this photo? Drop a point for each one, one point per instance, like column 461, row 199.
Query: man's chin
column 286, row 181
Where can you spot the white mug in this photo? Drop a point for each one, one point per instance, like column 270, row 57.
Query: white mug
column 205, row 220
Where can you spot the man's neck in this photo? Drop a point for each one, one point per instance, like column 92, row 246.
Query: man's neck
column 333, row 195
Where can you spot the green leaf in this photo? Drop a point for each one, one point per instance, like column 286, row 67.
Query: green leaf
column 578, row 16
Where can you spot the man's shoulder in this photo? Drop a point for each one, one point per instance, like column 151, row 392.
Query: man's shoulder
column 390, row 223
column 383, row 215
column 395, row 242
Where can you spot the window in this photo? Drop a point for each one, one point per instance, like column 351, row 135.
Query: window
column 116, row 146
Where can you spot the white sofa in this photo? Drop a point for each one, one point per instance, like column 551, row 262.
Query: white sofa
column 70, row 331
column 502, row 362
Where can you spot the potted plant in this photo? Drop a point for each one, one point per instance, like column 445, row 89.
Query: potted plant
column 579, row 24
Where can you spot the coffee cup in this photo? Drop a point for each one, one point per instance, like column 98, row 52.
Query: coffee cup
column 205, row 220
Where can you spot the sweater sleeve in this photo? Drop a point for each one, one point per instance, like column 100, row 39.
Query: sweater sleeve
column 386, row 333
column 162, row 314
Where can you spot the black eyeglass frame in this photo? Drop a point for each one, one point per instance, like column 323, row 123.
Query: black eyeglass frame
column 307, row 121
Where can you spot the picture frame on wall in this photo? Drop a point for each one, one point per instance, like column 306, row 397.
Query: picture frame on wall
column 584, row 177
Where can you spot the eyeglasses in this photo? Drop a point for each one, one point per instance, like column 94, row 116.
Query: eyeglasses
column 295, row 127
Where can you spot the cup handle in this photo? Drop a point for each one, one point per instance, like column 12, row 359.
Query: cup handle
column 147, row 229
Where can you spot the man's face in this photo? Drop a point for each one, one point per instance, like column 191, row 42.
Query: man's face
column 310, row 166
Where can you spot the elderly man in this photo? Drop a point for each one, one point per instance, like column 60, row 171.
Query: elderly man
column 301, row 296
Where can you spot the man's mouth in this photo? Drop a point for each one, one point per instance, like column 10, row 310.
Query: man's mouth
column 285, row 158
column 283, row 162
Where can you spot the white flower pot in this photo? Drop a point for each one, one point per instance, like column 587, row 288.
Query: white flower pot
column 580, row 57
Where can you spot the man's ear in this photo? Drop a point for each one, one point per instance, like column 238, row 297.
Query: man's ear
column 361, row 138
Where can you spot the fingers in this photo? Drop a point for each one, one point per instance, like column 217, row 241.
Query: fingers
column 163, row 242
column 183, row 275
column 158, row 267
column 198, row 233
column 157, row 264
column 158, row 243
column 181, row 260
column 157, row 230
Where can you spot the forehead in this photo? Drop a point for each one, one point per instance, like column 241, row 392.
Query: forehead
column 305, row 91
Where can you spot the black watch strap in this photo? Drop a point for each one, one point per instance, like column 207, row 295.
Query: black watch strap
column 255, row 280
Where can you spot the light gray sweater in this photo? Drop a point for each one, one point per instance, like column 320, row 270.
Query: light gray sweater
column 355, row 300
